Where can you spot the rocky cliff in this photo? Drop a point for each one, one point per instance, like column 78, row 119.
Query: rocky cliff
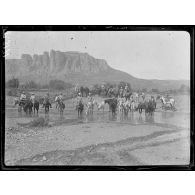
column 75, row 67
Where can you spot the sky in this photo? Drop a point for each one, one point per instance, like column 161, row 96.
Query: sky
column 143, row 54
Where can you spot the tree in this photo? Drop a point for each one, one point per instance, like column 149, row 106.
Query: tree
column 155, row 90
column 31, row 85
column 144, row 90
column 13, row 83
column 59, row 85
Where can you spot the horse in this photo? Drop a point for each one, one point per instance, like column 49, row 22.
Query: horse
column 126, row 107
column 90, row 106
column 36, row 106
column 127, row 95
column 21, row 104
column 168, row 105
column 80, row 108
column 112, row 105
column 120, row 105
column 101, row 105
column 149, row 107
column 140, row 107
column 108, row 101
column 61, row 106
column 132, row 106
column 28, row 107
column 47, row 105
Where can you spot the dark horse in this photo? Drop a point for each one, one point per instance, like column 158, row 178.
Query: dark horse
column 127, row 95
column 140, row 107
column 47, row 105
column 112, row 105
column 28, row 107
column 150, row 107
column 36, row 106
column 80, row 108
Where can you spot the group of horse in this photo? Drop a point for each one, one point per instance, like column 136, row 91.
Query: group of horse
column 123, row 105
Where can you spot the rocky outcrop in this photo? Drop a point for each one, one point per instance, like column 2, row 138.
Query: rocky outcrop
column 61, row 62
column 76, row 68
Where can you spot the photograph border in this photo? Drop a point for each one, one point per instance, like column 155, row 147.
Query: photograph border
column 188, row 28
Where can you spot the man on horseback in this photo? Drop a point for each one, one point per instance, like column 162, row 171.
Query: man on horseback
column 61, row 97
column 46, row 99
column 121, row 92
column 90, row 98
column 90, row 103
column 32, row 98
column 56, row 100
column 22, row 98
column 79, row 100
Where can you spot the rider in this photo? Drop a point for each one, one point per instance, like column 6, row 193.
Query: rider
column 90, row 98
column 79, row 99
column 46, row 99
column 126, row 88
column 56, row 100
column 121, row 91
column 32, row 98
column 60, row 97
column 22, row 97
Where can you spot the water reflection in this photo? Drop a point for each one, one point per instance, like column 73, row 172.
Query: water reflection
column 176, row 118
column 166, row 115
column 149, row 118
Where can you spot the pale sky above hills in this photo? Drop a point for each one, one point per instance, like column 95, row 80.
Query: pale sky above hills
column 147, row 55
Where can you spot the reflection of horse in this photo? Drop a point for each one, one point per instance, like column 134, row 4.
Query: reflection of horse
column 80, row 108
column 168, row 104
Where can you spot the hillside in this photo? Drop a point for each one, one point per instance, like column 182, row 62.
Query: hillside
column 76, row 68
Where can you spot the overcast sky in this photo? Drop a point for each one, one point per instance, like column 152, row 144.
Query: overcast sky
column 143, row 54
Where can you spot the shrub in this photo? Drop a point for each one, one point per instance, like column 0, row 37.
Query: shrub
column 13, row 83
column 12, row 92
column 60, row 85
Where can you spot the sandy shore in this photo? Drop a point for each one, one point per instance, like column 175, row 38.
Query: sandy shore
column 108, row 143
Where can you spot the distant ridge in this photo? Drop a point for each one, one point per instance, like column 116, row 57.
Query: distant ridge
column 77, row 68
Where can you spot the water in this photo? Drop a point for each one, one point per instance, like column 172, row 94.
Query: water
column 180, row 118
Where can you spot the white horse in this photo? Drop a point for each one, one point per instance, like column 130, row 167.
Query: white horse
column 166, row 104
column 101, row 105
column 89, row 107
column 120, row 105
column 132, row 106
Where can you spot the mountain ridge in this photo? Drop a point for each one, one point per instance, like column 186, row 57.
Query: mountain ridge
column 77, row 68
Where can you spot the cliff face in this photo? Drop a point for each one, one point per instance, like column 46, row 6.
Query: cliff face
column 56, row 62
column 76, row 68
